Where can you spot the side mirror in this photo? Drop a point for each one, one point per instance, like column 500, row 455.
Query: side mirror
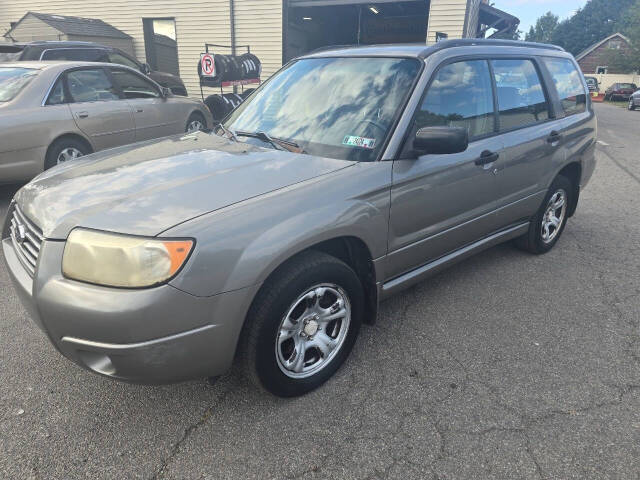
column 441, row 140
column 146, row 69
column 166, row 92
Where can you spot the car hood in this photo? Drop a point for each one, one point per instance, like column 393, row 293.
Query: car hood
column 147, row 188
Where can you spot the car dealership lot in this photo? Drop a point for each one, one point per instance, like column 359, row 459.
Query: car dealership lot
column 505, row 366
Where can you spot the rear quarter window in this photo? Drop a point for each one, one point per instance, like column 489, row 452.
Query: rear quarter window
column 568, row 82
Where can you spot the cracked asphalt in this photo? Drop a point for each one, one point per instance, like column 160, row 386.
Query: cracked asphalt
column 505, row 366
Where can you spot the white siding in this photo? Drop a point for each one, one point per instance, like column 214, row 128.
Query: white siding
column 446, row 16
column 32, row 28
column 258, row 22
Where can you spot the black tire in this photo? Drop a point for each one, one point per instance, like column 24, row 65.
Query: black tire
column 196, row 117
column 533, row 241
column 257, row 348
column 632, row 105
column 57, row 147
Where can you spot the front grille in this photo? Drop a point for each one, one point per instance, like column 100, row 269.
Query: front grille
column 26, row 238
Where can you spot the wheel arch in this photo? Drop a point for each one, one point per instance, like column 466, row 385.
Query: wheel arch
column 572, row 172
column 71, row 135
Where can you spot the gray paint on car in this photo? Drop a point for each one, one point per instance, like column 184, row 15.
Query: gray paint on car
column 251, row 209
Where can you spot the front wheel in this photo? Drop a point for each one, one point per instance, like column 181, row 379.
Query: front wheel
column 548, row 224
column 302, row 325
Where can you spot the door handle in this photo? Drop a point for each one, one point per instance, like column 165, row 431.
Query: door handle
column 554, row 137
column 139, row 110
column 487, row 157
column 82, row 114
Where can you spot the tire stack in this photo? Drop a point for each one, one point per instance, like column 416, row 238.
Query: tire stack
column 232, row 68
column 221, row 105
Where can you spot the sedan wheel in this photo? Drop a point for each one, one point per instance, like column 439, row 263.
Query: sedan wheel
column 195, row 126
column 632, row 105
column 313, row 330
column 69, row 153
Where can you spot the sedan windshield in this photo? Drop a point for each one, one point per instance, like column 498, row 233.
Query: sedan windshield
column 341, row 108
column 13, row 80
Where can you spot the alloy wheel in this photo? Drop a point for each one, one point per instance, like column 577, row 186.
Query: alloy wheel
column 195, row 126
column 69, row 153
column 313, row 331
column 554, row 216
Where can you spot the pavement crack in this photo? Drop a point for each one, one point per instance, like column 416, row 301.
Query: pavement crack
column 159, row 473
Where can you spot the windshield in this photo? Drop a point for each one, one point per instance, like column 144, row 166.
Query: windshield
column 334, row 107
column 626, row 85
column 13, row 80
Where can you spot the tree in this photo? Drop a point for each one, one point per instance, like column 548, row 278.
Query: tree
column 596, row 20
column 544, row 29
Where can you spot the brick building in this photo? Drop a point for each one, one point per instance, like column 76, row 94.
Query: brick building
column 595, row 59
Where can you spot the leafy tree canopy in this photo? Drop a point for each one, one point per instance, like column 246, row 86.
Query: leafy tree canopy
column 543, row 30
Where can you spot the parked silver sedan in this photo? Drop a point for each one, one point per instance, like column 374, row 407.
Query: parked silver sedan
column 51, row 112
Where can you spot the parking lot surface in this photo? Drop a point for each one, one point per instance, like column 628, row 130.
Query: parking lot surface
column 505, row 366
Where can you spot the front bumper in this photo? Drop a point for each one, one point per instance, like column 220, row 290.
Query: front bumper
column 158, row 335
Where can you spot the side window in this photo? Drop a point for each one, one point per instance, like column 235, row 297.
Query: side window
column 76, row 54
column 521, row 100
column 460, row 96
column 56, row 96
column 90, row 85
column 568, row 82
column 115, row 57
column 134, row 86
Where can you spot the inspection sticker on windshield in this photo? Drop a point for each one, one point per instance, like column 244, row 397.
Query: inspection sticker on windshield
column 361, row 142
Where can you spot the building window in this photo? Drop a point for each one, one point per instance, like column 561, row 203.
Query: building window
column 615, row 44
column 601, row 70
column 160, row 44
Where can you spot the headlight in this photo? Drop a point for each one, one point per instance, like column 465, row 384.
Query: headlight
column 120, row 260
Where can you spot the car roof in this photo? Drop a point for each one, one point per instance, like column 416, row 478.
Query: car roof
column 422, row 50
column 61, row 43
column 60, row 64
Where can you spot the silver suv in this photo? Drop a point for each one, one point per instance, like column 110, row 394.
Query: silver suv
column 350, row 175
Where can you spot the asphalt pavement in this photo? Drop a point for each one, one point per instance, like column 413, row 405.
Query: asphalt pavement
column 505, row 366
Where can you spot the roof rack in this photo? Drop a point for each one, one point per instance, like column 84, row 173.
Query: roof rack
column 488, row 42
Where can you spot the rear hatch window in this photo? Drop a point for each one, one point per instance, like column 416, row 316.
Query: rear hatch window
column 10, row 53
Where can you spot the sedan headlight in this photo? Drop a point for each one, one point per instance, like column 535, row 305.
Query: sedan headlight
column 122, row 261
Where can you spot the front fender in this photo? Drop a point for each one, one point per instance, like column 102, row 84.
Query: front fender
column 243, row 244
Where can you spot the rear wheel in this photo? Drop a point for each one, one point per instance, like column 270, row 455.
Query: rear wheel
column 64, row 150
column 548, row 224
column 632, row 105
column 302, row 325
column 196, row 123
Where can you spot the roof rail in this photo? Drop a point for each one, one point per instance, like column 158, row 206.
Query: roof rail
column 488, row 42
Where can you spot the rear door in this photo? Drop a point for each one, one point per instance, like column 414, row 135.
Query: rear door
column 154, row 115
column 578, row 125
column 97, row 108
column 532, row 138
column 440, row 203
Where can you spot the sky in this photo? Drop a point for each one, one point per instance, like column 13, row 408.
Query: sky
column 528, row 11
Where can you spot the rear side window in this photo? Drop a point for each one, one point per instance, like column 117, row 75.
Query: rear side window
column 76, row 54
column 91, row 85
column 521, row 100
column 568, row 82
column 460, row 96
column 56, row 97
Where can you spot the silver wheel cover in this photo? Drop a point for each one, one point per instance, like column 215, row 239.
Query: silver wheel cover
column 313, row 330
column 554, row 216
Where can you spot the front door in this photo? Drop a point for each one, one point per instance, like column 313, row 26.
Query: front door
column 440, row 203
column 154, row 115
column 98, row 110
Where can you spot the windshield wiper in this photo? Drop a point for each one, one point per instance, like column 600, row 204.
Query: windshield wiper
column 276, row 143
column 228, row 133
